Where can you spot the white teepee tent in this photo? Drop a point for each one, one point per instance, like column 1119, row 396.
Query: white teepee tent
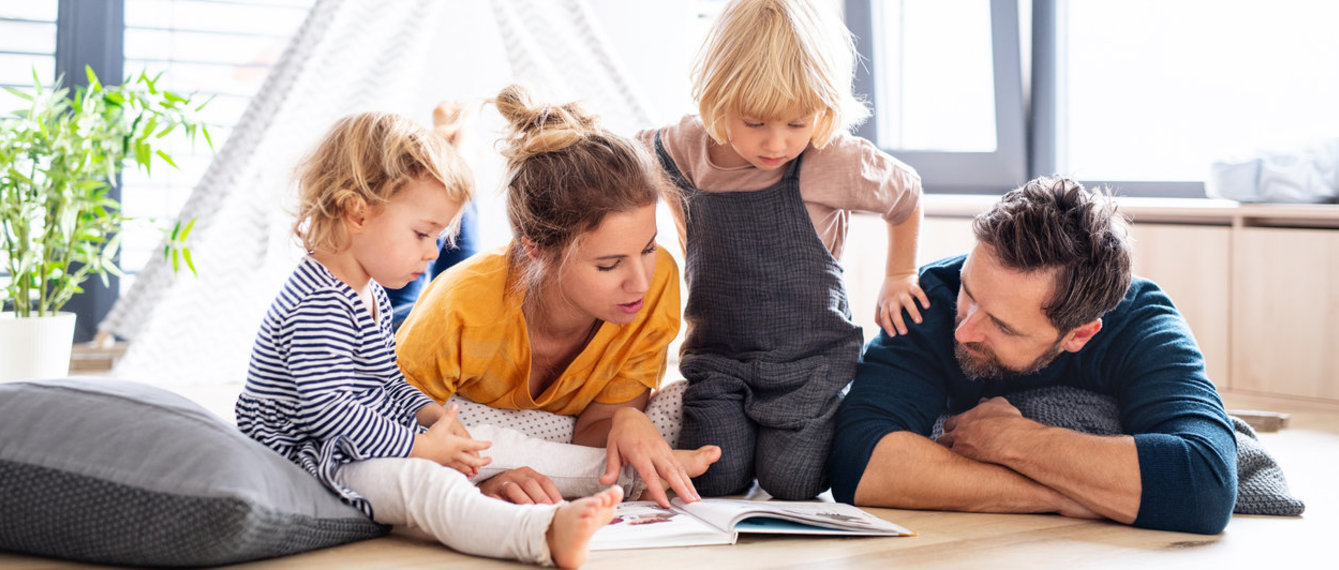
column 349, row 55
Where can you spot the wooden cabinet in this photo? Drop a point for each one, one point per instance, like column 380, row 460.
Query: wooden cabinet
column 1285, row 310
column 1193, row 266
column 945, row 237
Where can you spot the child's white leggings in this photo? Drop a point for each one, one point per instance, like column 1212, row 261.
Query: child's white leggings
column 420, row 496
column 574, row 469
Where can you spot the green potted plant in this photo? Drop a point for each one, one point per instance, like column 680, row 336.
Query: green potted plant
column 59, row 158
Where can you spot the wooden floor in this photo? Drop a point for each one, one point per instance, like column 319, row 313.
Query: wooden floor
column 1308, row 450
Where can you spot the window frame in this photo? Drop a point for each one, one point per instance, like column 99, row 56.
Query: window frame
column 951, row 172
column 1027, row 124
column 1047, row 103
column 91, row 33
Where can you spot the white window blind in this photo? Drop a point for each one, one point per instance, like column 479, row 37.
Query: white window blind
column 27, row 44
column 217, row 49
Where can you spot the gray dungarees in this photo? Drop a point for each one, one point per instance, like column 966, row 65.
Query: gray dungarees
column 770, row 341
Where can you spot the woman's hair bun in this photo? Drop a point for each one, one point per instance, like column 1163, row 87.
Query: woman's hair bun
column 539, row 128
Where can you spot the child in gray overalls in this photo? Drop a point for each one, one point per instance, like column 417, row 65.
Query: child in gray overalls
column 770, row 342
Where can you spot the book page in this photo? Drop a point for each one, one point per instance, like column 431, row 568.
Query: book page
column 644, row 524
column 849, row 520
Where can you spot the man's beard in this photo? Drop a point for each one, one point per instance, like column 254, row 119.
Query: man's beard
column 986, row 366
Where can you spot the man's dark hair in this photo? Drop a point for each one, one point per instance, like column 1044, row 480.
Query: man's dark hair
column 1055, row 224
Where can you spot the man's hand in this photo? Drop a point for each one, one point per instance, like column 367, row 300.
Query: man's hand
column 982, row 433
column 1086, row 476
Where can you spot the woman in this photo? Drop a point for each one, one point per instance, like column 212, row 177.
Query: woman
column 576, row 315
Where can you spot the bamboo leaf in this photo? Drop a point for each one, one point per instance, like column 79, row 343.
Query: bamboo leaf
column 186, row 253
column 19, row 94
column 166, row 158
column 149, row 127
column 144, row 78
column 93, row 84
column 143, row 156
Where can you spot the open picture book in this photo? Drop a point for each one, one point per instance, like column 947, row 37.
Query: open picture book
column 644, row 524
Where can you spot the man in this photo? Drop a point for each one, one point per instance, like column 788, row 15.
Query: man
column 1046, row 298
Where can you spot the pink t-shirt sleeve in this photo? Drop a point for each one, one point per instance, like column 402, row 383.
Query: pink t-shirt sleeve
column 852, row 174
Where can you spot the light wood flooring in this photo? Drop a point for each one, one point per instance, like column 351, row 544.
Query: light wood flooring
column 1308, row 450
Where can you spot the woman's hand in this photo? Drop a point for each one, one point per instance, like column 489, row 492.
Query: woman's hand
column 634, row 440
column 522, row 486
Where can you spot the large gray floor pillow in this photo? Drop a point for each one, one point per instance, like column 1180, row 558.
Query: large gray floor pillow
column 114, row 472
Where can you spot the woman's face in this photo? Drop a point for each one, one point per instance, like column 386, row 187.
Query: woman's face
column 609, row 271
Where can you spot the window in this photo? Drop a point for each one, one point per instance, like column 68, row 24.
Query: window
column 1156, row 91
column 212, row 48
column 218, row 50
column 936, row 90
column 27, row 45
column 1142, row 95
column 945, row 81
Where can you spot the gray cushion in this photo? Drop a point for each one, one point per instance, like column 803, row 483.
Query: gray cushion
column 1261, row 487
column 108, row 471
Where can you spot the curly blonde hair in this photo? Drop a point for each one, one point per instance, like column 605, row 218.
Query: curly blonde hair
column 366, row 158
column 773, row 60
column 565, row 173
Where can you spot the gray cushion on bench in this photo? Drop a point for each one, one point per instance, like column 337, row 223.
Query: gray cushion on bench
column 109, row 471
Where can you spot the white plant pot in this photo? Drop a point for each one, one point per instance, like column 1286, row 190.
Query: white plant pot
column 35, row 347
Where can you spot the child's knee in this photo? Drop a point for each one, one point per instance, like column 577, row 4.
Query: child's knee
column 729, row 479
column 793, row 465
column 793, row 482
column 794, row 487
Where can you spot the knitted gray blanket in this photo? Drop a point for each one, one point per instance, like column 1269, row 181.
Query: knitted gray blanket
column 1261, row 487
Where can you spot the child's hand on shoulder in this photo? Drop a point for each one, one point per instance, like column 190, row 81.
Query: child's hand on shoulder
column 447, row 443
column 897, row 293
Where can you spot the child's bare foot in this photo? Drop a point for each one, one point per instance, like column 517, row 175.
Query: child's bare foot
column 694, row 461
column 574, row 523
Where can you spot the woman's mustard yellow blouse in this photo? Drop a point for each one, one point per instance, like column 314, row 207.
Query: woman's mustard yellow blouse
column 467, row 334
